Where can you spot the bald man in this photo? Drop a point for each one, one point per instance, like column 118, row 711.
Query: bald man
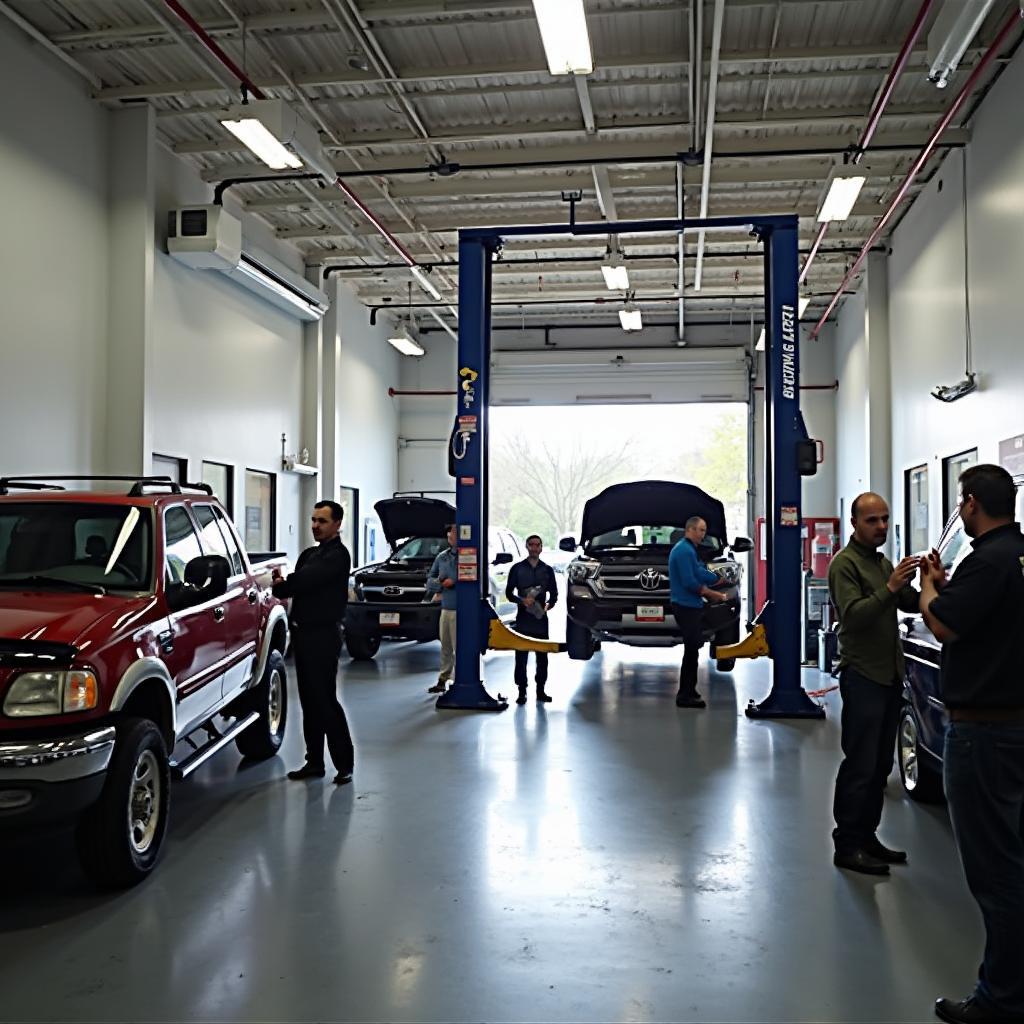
column 867, row 592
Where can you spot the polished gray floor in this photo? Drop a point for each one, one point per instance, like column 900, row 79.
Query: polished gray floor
column 605, row 857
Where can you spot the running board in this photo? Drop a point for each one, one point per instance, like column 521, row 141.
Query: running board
column 182, row 769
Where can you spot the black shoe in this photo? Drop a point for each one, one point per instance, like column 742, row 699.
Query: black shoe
column 690, row 700
column 342, row 778
column 307, row 771
column 967, row 1011
column 859, row 860
column 521, row 699
column 542, row 697
column 882, row 852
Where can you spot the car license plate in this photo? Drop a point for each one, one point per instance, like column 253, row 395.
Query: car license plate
column 389, row 618
column 650, row 613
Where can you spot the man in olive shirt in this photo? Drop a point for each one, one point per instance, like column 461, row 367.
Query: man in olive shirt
column 866, row 592
column 978, row 617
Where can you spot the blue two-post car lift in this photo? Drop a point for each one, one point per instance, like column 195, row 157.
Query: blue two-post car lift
column 776, row 629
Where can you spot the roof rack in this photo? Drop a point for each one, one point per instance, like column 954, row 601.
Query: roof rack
column 139, row 484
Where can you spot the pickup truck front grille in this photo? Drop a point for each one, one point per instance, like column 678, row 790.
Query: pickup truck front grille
column 394, row 593
column 631, row 582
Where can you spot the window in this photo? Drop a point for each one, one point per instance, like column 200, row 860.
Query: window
column 170, row 465
column 234, row 551
column 259, row 510
column 180, row 543
column 951, row 470
column 348, row 499
column 222, row 479
column 916, row 487
column 214, row 541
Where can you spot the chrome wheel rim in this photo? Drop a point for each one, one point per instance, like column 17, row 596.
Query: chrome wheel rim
column 908, row 751
column 145, row 802
column 275, row 703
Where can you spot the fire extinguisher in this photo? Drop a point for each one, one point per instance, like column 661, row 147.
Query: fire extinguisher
column 821, row 550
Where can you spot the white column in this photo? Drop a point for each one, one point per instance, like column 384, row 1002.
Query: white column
column 330, row 362
column 128, row 433
column 878, row 421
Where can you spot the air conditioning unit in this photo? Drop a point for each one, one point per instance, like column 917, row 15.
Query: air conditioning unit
column 210, row 238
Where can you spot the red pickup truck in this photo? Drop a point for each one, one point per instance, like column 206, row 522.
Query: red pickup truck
column 137, row 638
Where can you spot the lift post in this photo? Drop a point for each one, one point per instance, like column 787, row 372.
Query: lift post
column 784, row 437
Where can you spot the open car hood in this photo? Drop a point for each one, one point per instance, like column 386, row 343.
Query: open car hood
column 651, row 503
column 402, row 518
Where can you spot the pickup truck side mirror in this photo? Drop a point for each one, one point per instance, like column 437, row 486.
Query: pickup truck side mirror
column 741, row 545
column 206, row 577
column 567, row 544
column 502, row 558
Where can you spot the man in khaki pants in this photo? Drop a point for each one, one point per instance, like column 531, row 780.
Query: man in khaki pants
column 441, row 582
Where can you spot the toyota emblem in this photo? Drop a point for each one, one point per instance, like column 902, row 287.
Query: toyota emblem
column 393, row 591
column 650, row 579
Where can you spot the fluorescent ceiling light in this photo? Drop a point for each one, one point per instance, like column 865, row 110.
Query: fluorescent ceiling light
column 278, row 136
column 841, row 191
column 630, row 318
column 616, row 276
column 955, row 26
column 403, row 340
column 563, row 31
column 281, row 292
column 425, row 283
column 252, row 132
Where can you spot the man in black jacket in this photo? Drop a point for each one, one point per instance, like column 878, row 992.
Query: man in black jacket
column 531, row 584
column 978, row 617
column 318, row 588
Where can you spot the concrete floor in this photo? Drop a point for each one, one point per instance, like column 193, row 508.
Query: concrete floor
column 606, row 857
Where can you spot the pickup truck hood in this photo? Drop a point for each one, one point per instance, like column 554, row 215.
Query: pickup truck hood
column 651, row 503
column 67, row 617
column 413, row 517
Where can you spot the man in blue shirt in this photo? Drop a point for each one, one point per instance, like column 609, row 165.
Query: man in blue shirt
column 441, row 582
column 689, row 583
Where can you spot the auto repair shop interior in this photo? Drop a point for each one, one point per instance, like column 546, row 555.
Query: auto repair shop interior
column 304, row 249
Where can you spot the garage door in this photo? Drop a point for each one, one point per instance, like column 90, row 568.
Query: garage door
column 620, row 377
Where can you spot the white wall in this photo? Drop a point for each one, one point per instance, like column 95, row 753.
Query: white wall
column 851, row 361
column 53, row 286
column 367, row 417
column 926, row 305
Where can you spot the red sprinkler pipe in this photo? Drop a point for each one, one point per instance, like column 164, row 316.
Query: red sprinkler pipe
column 256, row 92
column 990, row 55
column 876, row 113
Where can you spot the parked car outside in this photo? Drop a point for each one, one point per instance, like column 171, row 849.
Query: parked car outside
column 389, row 601
column 130, row 623
column 618, row 587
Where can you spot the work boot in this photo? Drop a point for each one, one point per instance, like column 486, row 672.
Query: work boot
column 542, row 697
column 307, row 771
column 689, row 700
column 521, row 699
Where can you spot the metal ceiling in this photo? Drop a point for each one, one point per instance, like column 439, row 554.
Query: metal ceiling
column 399, row 86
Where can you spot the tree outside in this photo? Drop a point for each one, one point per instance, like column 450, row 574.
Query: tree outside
column 546, row 463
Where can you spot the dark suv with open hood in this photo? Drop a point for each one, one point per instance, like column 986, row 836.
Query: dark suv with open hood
column 619, row 586
column 389, row 601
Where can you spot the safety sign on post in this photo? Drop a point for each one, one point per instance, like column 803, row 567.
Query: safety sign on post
column 467, row 564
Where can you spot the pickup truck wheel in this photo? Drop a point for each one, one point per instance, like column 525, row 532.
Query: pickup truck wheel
column 361, row 647
column 729, row 635
column 920, row 780
column 120, row 836
column 264, row 737
column 579, row 641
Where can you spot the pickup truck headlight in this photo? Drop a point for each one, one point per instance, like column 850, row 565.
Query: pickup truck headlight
column 729, row 572
column 355, row 592
column 33, row 694
column 580, row 571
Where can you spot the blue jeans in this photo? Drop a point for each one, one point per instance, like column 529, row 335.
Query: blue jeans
column 983, row 772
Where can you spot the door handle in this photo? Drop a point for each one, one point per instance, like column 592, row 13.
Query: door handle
column 252, row 595
column 219, row 613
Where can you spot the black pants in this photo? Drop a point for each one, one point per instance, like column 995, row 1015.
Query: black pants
column 871, row 714
column 316, row 653
column 691, row 624
column 528, row 625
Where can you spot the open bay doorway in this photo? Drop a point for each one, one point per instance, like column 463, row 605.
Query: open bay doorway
column 547, row 461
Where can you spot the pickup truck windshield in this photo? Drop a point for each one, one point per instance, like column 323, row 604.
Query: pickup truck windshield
column 107, row 546
column 647, row 537
column 420, row 547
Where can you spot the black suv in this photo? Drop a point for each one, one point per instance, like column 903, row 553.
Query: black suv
column 389, row 601
column 619, row 587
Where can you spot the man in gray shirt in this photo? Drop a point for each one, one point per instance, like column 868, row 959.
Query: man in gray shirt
column 441, row 582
